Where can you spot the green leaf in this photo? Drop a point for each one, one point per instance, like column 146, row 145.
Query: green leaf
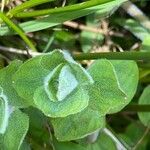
column 38, row 129
column 15, row 132
column 128, row 75
column 100, row 143
column 26, row 5
column 133, row 134
column 6, row 85
column 144, row 100
column 146, row 44
column 65, row 78
column 4, row 111
column 78, row 125
column 62, row 74
column 55, row 19
column 105, row 93
column 143, row 73
column 25, row 146
column 75, row 7
column 32, row 73
column 89, row 39
column 51, row 83
column 17, row 29
column 67, row 146
column 134, row 27
column 137, row 30
column 40, row 80
column 76, row 102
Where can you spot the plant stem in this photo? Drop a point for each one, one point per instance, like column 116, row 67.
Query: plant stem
column 141, row 139
column 114, row 55
column 74, row 7
column 50, row 41
column 119, row 142
column 137, row 108
column 89, row 56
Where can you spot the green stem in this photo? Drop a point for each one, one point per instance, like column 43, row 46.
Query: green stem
column 50, row 41
column 114, row 55
column 26, row 5
column 137, row 108
column 118, row 140
column 74, row 7
column 18, row 30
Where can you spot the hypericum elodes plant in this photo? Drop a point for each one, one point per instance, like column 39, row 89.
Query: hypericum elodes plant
column 74, row 99
column 54, row 83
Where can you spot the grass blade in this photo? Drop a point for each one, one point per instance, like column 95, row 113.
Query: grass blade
column 18, row 30
column 74, row 7
column 55, row 19
column 26, row 5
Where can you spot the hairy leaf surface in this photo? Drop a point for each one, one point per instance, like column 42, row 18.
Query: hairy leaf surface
column 78, row 125
column 15, row 132
column 54, row 83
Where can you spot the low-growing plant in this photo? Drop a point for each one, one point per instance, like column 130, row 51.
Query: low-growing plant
column 75, row 99
column 52, row 101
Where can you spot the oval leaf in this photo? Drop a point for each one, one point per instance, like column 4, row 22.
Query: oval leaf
column 78, row 125
column 105, row 94
column 15, row 132
column 6, row 84
column 144, row 100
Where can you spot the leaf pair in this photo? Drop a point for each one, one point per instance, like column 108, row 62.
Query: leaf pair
column 113, row 88
column 54, row 83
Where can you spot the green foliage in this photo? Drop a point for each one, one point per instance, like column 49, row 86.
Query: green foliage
column 60, row 87
column 9, row 98
column 134, row 27
column 7, row 89
column 67, row 146
column 100, row 144
column 138, row 30
column 58, row 18
column 144, row 100
column 89, row 39
column 26, row 5
column 132, row 135
column 128, row 76
column 105, row 82
column 15, row 132
column 17, row 29
column 49, row 101
column 57, row 85
column 77, row 126
column 75, row 7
